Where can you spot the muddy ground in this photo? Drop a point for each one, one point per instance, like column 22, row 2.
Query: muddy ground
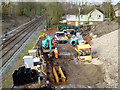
column 79, row 75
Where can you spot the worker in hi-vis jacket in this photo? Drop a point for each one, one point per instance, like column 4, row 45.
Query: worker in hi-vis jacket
column 56, row 53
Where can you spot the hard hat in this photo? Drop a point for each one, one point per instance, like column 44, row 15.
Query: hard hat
column 45, row 34
column 55, row 48
column 91, row 34
column 47, row 82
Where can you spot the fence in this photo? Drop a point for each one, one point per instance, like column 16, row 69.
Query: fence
column 51, row 31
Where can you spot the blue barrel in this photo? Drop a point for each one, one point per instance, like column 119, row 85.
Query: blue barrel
column 73, row 42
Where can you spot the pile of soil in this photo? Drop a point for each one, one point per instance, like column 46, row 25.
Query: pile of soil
column 105, row 48
column 105, row 28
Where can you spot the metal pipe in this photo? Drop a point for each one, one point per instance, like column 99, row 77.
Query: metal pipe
column 73, row 42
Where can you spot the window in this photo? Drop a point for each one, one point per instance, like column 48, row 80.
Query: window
column 60, row 35
column 90, row 23
column 68, row 16
column 99, row 16
column 81, row 16
column 90, row 15
column 76, row 16
column 81, row 23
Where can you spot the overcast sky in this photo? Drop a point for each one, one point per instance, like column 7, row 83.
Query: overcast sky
column 100, row 1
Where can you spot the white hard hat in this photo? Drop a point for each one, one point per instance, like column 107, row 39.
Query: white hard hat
column 47, row 82
column 45, row 34
column 55, row 48
column 91, row 34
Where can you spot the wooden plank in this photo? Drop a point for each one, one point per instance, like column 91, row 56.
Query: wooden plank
column 62, row 74
column 56, row 75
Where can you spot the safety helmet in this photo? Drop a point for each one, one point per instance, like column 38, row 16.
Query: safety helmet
column 45, row 34
column 55, row 48
column 91, row 34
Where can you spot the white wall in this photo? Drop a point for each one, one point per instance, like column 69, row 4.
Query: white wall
column 71, row 18
column 83, row 18
column 117, row 13
column 75, row 18
column 94, row 17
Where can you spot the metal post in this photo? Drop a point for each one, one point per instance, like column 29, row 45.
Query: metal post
column 79, row 17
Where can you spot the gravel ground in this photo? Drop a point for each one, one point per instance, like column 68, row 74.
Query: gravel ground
column 105, row 48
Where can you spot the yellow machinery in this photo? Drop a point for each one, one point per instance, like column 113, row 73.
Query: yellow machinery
column 70, row 32
column 56, row 75
column 62, row 77
column 42, row 35
column 84, row 52
column 60, row 37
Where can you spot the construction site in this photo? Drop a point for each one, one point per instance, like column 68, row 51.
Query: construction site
column 60, row 56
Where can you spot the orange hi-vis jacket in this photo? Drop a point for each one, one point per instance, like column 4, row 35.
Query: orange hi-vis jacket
column 56, row 53
column 53, row 42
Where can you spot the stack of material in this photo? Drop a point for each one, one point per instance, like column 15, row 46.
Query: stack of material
column 36, row 61
column 32, row 52
column 24, row 76
column 78, row 39
column 88, row 39
column 28, row 61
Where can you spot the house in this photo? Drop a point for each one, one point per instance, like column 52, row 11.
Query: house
column 93, row 17
column 117, row 9
column 117, row 12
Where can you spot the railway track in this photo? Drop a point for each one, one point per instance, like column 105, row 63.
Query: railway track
column 12, row 45
column 14, row 40
column 16, row 35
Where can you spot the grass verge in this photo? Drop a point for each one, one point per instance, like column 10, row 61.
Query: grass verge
column 18, row 62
